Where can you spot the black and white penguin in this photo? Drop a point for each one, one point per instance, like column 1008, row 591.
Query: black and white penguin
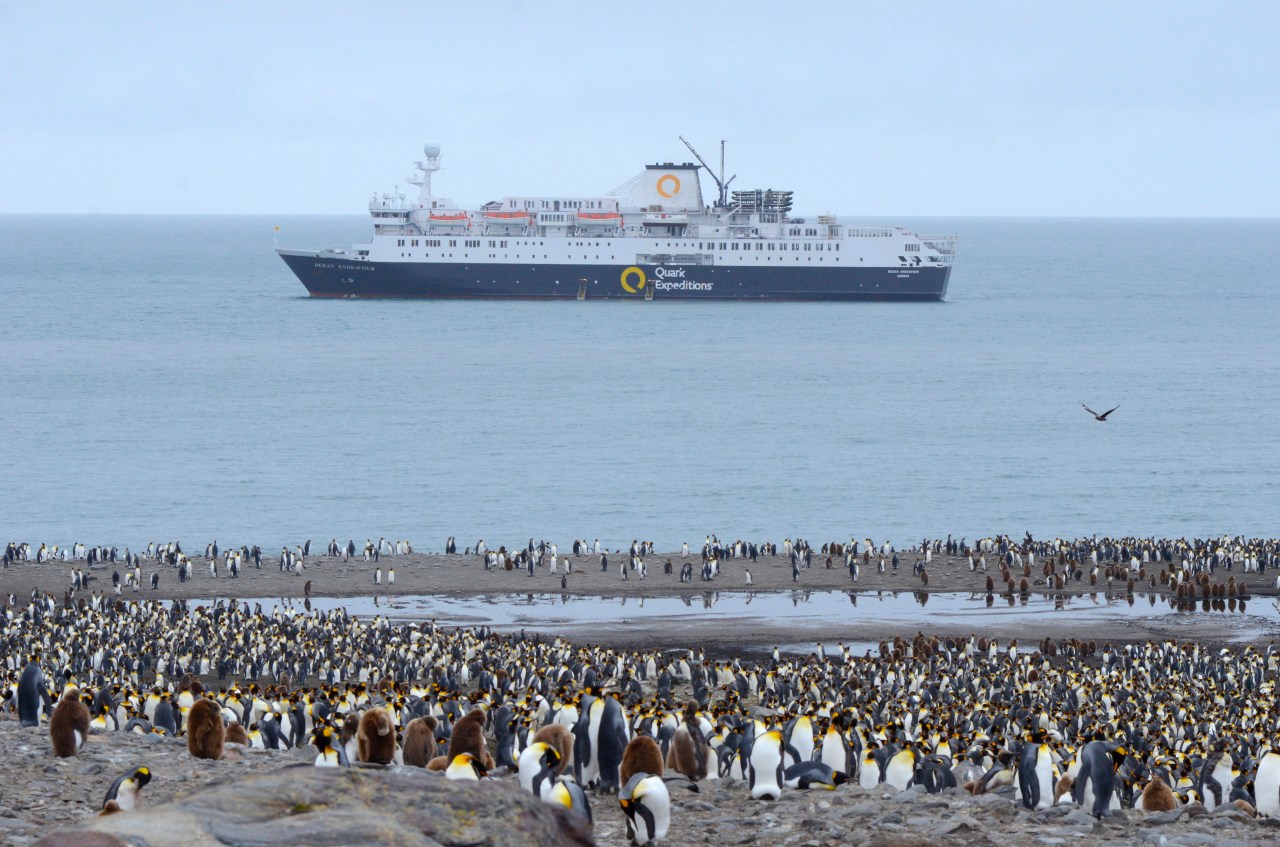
column 328, row 753
column 465, row 767
column 33, row 694
column 536, row 768
column 600, row 740
column 124, row 792
column 812, row 775
column 1035, row 772
column 569, row 795
column 1266, row 783
column 764, row 774
column 647, row 805
column 1095, row 786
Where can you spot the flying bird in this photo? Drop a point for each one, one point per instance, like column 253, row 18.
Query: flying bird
column 1100, row 417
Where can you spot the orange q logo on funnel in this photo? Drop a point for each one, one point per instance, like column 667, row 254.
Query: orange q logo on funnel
column 670, row 180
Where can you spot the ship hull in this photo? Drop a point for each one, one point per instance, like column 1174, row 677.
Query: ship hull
column 336, row 275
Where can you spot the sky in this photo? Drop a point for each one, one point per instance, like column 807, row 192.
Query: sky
column 860, row 108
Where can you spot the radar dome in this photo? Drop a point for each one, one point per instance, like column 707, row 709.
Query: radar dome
column 431, row 149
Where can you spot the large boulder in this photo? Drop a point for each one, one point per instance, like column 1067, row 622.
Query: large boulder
column 337, row 806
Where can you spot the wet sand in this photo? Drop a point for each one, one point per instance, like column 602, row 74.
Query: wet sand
column 458, row 576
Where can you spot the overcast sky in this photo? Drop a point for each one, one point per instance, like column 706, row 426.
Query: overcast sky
column 884, row 108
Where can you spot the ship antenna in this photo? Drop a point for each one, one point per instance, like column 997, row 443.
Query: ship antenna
column 720, row 180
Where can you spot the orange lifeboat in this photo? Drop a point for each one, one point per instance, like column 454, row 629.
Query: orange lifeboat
column 448, row 217
column 502, row 217
column 599, row 218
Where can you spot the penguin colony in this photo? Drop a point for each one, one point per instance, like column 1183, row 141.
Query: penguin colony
column 1214, row 572
column 1146, row 726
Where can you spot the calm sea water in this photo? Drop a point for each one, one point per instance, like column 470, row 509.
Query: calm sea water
column 167, row 378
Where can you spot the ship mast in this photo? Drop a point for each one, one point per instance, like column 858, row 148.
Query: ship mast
column 432, row 151
column 721, row 183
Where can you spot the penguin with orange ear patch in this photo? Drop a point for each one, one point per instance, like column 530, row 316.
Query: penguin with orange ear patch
column 122, row 796
column 376, row 737
column 69, row 725
column 561, row 738
column 468, row 737
column 642, row 755
column 205, row 731
column 420, row 741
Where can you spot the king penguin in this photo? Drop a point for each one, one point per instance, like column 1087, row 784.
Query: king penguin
column 1035, row 772
column 1266, row 783
column 765, row 767
column 123, row 795
column 1097, row 779
column 32, row 693
column 647, row 805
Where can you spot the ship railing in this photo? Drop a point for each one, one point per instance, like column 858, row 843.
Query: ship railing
column 868, row 231
column 944, row 244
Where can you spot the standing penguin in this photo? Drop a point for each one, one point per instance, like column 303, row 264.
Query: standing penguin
column 641, row 756
column 647, row 805
column 206, row 733
column 1266, row 783
column 600, row 738
column 1096, row 781
column 376, row 737
column 689, row 751
column 328, row 754
column 900, row 772
column 764, row 774
column 33, row 694
column 536, row 768
column 69, row 725
column 1035, row 772
column 420, row 741
column 123, row 795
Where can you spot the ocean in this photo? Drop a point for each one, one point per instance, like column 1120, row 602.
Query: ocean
column 167, row 378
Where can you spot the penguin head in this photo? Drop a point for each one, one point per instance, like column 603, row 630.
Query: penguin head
column 141, row 776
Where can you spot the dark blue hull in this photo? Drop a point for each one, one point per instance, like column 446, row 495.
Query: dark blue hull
column 340, row 276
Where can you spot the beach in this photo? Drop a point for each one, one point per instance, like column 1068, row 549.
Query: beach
column 722, row 615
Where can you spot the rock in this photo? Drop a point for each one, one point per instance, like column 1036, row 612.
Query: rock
column 1078, row 817
column 1161, row 818
column 900, row 840
column 303, row 804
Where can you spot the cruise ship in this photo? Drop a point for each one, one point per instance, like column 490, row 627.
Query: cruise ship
column 654, row 237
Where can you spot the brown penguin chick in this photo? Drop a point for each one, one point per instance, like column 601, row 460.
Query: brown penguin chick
column 376, row 737
column 468, row 737
column 643, row 755
column 69, row 725
column 561, row 738
column 687, row 754
column 237, row 735
column 205, row 732
column 1246, row 807
column 1063, row 789
column 439, row 763
column 111, row 807
column 420, row 742
column 1157, row 796
column 350, row 726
